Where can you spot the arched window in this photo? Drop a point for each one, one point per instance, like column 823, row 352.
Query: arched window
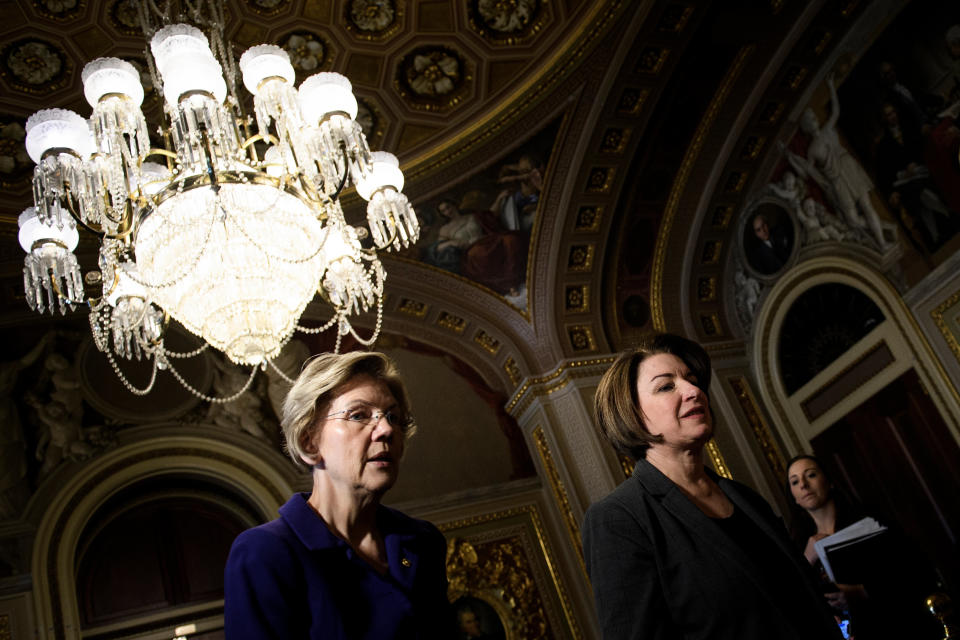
column 153, row 556
column 821, row 325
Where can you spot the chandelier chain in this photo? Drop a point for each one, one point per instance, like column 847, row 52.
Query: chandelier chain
column 282, row 375
column 212, row 399
column 309, row 330
column 129, row 385
column 186, row 354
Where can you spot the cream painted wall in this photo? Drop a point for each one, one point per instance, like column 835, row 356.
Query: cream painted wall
column 458, row 444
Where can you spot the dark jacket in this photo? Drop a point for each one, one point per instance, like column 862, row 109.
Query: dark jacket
column 292, row 578
column 662, row 569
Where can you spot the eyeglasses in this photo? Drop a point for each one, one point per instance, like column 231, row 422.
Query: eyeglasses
column 368, row 417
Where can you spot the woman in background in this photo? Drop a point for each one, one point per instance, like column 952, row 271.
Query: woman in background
column 337, row 563
column 677, row 551
column 887, row 601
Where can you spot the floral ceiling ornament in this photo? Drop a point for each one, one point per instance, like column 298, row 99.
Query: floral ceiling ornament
column 35, row 66
column 268, row 7
column 58, row 9
column 15, row 163
column 433, row 77
column 307, row 51
column 373, row 19
column 506, row 21
column 124, row 18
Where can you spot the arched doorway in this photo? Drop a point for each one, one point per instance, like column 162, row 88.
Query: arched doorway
column 848, row 376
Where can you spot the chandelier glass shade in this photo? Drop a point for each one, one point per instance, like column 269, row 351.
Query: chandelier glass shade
column 230, row 231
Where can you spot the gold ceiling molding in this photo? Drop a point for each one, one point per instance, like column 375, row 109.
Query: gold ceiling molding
column 413, row 308
column 559, row 377
column 938, row 318
column 451, row 322
column 761, row 432
column 568, row 55
column 719, row 464
column 581, row 338
column 490, row 344
column 512, row 370
column 680, row 183
column 559, row 493
column 577, row 298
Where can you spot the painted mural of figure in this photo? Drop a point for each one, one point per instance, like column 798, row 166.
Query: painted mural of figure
column 13, row 448
column 517, row 207
column 773, row 245
column 456, row 234
column 905, row 179
column 838, row 173
column 473, row 244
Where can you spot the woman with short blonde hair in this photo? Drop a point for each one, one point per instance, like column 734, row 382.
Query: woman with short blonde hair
column 337, row 563
column 320, row 377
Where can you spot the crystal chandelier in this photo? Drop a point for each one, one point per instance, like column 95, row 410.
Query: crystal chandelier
column 229, row 232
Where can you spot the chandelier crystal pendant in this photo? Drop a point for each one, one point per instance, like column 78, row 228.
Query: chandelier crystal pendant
column 230, row 234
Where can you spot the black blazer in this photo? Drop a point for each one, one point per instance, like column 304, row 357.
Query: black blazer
column 662, row 569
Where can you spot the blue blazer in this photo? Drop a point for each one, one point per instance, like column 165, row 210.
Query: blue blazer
column 292, row 578
column 662, row 569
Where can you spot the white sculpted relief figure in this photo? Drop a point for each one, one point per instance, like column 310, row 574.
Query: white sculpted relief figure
column 59, row 418
column 838, row 173
column 747, row 296
column 246, row 412
column 13, row 447
column 818, row 224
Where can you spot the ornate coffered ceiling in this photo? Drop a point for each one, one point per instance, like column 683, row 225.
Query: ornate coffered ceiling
column 664, row 111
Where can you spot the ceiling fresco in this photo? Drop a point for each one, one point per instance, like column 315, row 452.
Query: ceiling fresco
column 598, row 156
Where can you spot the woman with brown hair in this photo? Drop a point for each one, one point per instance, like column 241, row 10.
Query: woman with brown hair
column 677, row 551
column 887, row 599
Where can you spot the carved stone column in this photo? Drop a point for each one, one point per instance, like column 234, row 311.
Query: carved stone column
column 575, row 464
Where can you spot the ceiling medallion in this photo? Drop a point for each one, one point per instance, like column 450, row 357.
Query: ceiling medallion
column 35, row 66
column 433, row 78
column 308, row 52
column 373, row 19
column 124, row 17
column 269, row 7
column 15, row 163
column 59, row 10
column 234, row 233
column 510, row 22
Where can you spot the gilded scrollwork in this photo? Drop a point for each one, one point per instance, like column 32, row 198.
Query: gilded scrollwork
column 499, row 573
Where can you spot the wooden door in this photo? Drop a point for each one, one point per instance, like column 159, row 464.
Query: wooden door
column 896, row 455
